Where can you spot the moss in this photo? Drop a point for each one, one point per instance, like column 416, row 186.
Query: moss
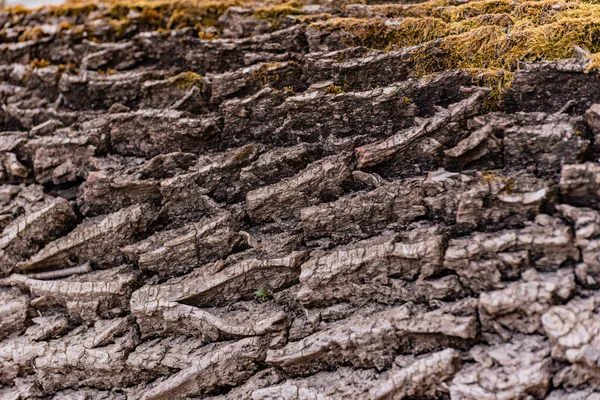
column 289, row 91
column 64, row 25
column 72, row 9
column 498, row 80
column 406, row 101
column 69, row 67
column 309, row 19
column 266, row 75
column 31, row 33
column 158, row 14
column 276, row 13
column 17, row 10
column 118, row 26
column 594, row 64
column 448, row 34
column 494, row 48
column 205, row 35
column 205, row 14
column 333, row 89
column 508, row 185
column 108, row 71
column 339, row 57
column 487, row 178
column 488, row 34
column 39, row 63
column 187, row 80
column 166, row 14
column 245, row 153
column 152, row 17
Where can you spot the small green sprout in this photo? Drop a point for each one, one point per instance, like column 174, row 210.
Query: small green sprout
column 261, row 294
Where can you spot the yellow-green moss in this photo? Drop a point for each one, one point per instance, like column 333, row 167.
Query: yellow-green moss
column 333, row 89
column 118, row 26
column 289, row 91
column 473, row 44
column 245, row 153
column 152, row 17
column 498, row 80
column 275, row 13
column 64, row 25
column 509, row 187
column 448, row 34
column 187, row 80
column 108, row 71
column 31, row 33
column 489, row 177
column 594, row 64
column 484, row 34
column 69, row 67
column 265, row 75
column 72, row 9
column 39, row 63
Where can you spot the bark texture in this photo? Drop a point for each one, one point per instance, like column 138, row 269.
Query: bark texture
column 279, row 213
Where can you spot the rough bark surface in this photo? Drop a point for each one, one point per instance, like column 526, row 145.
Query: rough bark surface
column 254, row 207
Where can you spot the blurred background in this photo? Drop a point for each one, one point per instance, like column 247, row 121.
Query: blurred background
column 28, row 3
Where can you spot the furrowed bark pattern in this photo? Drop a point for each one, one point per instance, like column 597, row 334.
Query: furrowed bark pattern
column 270, row 207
